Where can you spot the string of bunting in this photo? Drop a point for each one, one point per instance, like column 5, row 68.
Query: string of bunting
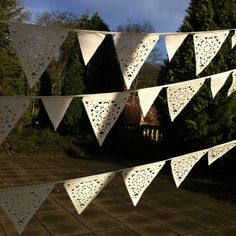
column 21, row 203
column 103, row 109
column 37, row 45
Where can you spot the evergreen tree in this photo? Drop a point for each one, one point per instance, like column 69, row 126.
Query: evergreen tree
column 204, row 121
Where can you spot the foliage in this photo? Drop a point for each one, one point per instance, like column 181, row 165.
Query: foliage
column 204, row 121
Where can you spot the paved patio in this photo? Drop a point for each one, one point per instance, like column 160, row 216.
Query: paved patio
column 163, row 210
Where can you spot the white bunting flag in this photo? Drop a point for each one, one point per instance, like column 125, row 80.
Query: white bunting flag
column 82, row 191
column 232, row 88
column 147, row 96
column 217, row 82
column 182, row 165
column 218, row 151
column 206, row 46
column 20, row 204
column 173, row 42
column 11, row 110
column 35, row 46
column 89, row 43
column 132, row 50
column 137, row 179
column 56, row 108
column 233, row 40
column 103, row 110
column 179, row 95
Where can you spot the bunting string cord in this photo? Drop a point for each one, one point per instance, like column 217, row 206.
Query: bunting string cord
column 127, row 91
column 111, row 32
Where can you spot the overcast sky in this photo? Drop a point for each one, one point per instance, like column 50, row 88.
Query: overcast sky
column 164, row 15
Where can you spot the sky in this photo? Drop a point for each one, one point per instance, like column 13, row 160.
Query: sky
column 164, row 15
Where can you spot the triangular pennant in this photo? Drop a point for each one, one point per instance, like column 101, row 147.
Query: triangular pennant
column 173, row 42
column 35, row 46
column 182, row 165
column 146, row 98
column 89, row 42
column 56, row 108
column 232, row 88
column 206, row 46
column 217, row 82
column 137, row 179
column 20, row 204
column 233, row 40
column 11, row 110
column 82, row 191
column 103, row 111
column 218, row 151
column 132, row 50
column 179, row 95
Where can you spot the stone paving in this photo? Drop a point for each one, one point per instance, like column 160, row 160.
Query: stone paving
column 163, row 210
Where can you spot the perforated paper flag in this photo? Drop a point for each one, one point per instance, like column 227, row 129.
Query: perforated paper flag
column 217, row 82
column 233, row 40
column 232, row 88
column 56, row 108
column 103, row 111
column 132, row 50
column 82, row 191
column 173, row 42
column 11, row 110
column 206, row 46
column 89, row 43
column 182, row 165
column 179, row 95
column 20, row 204
column 137, row 179
column 218, row 151
column 35, row 46
column 146, row 98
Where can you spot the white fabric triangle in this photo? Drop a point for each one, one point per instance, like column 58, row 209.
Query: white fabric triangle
column 218, row 151
column 173, row 42
column 179, row 95
column 11, row 110
column 232, row 88
column 132, row 50
column 217, row 82
column 182, row 165
column 103, row 110
column 206, row 46
column 82, row 191
column 20, row 204
column 35, row 46
column 89, row 43
column 146, row 98
column 233, row 40
column 56, row 108
column 137, row 179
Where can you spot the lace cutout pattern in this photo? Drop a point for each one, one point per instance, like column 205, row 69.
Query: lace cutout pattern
column 232, row 88
column 83, row 190
column 146, row 98
column 182, row 165
column 218, row 151
column 217, row 82
column 35, row 46
column 137, row 179
column 56, row 108
column 179, row 95
column 206, row 47
column 132, row 50
column 11, row 111
column 20, row 204
column 103, row 111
